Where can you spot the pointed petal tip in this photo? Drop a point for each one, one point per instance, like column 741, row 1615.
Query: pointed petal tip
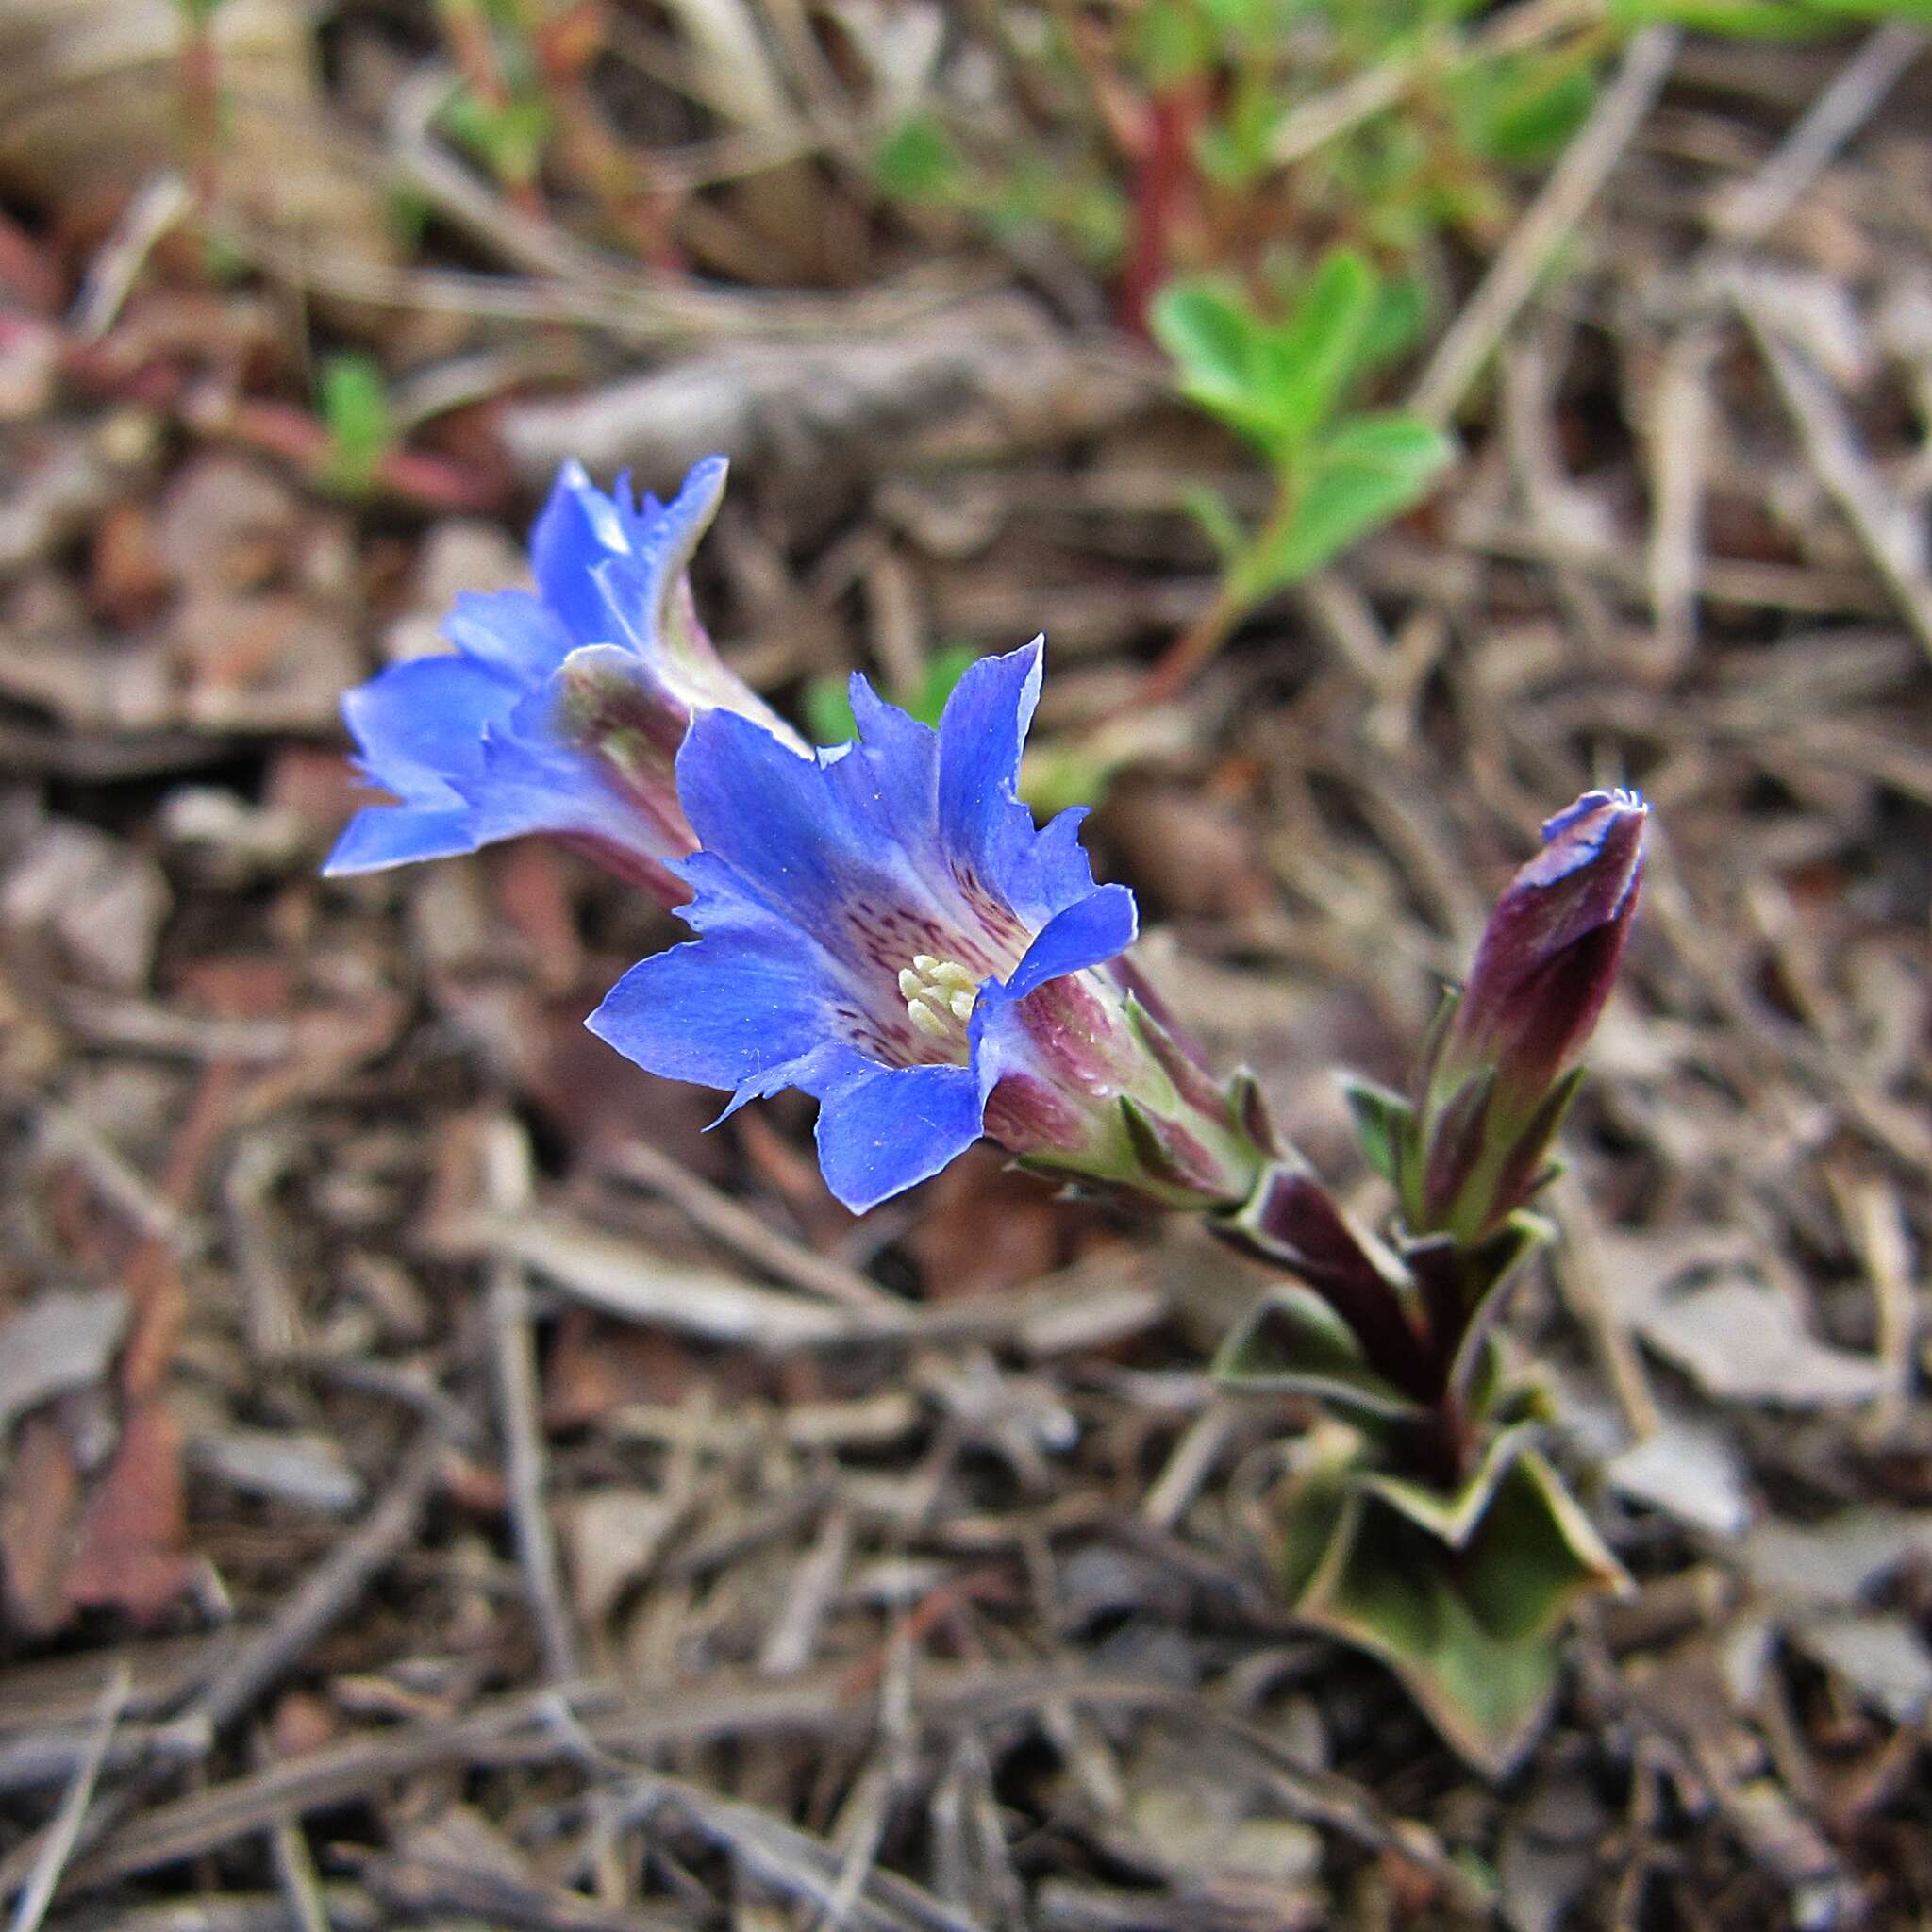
column 1620, row 801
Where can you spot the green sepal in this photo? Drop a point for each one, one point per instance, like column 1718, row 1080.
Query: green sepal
column 1167, row 1157
column 1472, row 1299
column 1384, row 1124
column 1249, row 1116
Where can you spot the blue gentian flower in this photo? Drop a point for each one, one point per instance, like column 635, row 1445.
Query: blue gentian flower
column 884, row 926
column 562, row 710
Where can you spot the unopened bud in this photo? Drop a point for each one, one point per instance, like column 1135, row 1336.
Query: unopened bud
column 1501, row 1070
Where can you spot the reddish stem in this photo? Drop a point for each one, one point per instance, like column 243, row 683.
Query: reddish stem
column 1163, row 193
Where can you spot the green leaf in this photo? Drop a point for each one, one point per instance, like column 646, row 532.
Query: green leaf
column 1215, row 340
column 1055, row 776
column 1235, row 149
column 938, row 675
column 1293, row 1343
column 1522, row 112
column 828, row 710
column 1370, row 470
column 1474, row 1634
column 355, row 406
column 1774, row 20
column 1383, row 1120
column 1453, row 1517
column 917, row 161
column 1402, row 309
column 1307, row 364
column 508, row 139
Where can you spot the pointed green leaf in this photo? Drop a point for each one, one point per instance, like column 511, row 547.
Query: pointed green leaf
column 1451, row 1517
column 1218, row 523
column 1537, row 1554
column 1306, row 365
column 1383, row 1120
column 1293, row 1343
column 1386, row 1587
column 917, row 161
column 1215, row 339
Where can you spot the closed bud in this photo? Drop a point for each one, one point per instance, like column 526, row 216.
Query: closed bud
column 1501, row 1069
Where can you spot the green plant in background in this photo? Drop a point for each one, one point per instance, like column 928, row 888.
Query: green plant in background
column 827, row 707
column 499, row 113
column 1772, row 20
column 919, row 163
column 353, row 403
column 1285, row 387
column 1193, row 156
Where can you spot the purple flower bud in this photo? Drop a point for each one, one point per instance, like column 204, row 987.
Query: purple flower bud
column 1501, row 1073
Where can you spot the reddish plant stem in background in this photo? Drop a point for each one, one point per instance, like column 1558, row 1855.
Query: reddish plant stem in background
column 1177, row 667
column 565, row 44
column 470, row 46
column 201, row 102
column 1164, row 191
column 416, row 477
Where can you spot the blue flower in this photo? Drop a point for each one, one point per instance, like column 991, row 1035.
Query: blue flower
column 560, row 710
column 884, row 926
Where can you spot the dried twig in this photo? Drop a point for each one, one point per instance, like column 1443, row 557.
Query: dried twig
column 1573, row 184
column 507, row 1187
column 59, row 1842
column 1749, row 210
column 718, row 1214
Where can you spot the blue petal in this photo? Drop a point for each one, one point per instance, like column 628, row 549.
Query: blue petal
column 810, row 838
column 514, row 630
column 990, row 834
column 421, row 723
column 889, row 1127
column 982, row 732
column 893, row 734
column 381, row 834
column 657, row 542
column 535, row 785
column 743, row 1009
column 1089, row 933
column 578, row 530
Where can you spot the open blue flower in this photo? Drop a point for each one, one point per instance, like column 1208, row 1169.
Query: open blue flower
column 562, row 710
column 884, row 926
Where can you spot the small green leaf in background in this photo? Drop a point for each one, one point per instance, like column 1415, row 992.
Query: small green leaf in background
column 1171, row 41
column 1308, row 364
column 1383, row 1120
column 1218, row 523
column 828, row 709
column 1279, row 383
column 1520, row 113
column 508, row 139
column 917, row 161
column 1371, row 469
column 1215, row 340
column 1770, row 19
column 355, row 406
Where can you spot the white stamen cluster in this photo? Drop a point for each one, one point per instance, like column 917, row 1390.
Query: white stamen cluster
column 938, row 995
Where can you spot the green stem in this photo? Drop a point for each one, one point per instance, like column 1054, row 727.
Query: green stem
column 1232, row 601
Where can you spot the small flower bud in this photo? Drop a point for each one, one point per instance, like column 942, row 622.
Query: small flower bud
column 1501, row 1069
